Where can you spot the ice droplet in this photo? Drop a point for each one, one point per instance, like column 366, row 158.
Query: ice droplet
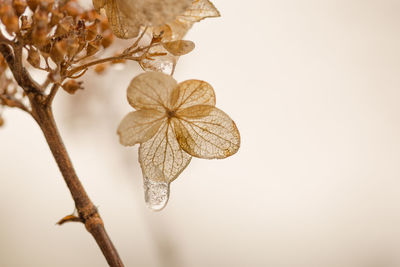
column 156, row 194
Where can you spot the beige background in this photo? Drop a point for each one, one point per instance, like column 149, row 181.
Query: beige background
column 313, row 86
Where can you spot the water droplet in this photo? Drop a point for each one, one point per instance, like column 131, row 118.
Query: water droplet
column 156, row 194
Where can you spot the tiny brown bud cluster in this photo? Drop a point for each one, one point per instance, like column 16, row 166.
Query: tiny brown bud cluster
column 58, row 30
column 71, row 86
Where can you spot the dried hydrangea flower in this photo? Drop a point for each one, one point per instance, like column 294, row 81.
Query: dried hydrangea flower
column 172, row 123
column 126, row 17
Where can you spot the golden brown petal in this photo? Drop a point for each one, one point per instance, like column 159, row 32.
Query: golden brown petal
column 199, row 10
column 179, row 47
column 206, row 132
column 151, row 90
column 191, row 93
column 161, row 157
column 127, row 16
column 123, row 26
column 139, row 126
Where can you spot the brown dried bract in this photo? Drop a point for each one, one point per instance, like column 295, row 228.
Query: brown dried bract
column 174, row 122
column 126, row 17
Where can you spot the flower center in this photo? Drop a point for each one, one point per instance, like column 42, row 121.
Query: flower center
column 171, row 113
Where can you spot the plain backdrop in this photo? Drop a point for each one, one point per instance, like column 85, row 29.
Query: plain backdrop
column 313, row 86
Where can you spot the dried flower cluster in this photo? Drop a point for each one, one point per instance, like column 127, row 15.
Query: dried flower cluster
column 64, row 40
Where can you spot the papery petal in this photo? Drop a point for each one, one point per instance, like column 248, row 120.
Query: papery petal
column 123, row 26
column 154, row 12
column 206, row 132
column 151, row 90
column 161, row 157
column 191, row 93
column 139, row 126
column 179, row 47
column 177, row 29
column 127, row 16
column 201, row 9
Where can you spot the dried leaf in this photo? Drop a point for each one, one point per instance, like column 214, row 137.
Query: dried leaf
column 206, row 132
column 179, row 47
column 139, row 126
column 127, row 16
column 161, row 157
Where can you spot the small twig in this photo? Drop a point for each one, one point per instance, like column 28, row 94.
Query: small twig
column 69, row 218
column 124, row 55
column 79, row 75
column 12, row 102
column 135, row 44
column 52, row 94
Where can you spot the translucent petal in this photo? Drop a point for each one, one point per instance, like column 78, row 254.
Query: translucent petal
column 139, row 126
column 127, row 16
column 154, row 12
column 206, row 132
column 123, row 27
column 177, row 29
column 151, row 90
column 161, row 157
column 179, row 47
column 191, row 93
column 201, row 9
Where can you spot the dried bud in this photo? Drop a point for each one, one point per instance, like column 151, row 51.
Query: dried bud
column 93, row 46
column 92, row 30
column 90, row 15
column 34, row 57
column 100, row 68
column 9, row 19
column 108, row 38
column 59, row 51
column 40, row 28
column 1, row 121
column 46, row 5
column 25, row 24
column 72, row 46
column 64, row 26
column 19, row 6
column 33, row 4
column 71, row 86
column 72, row 8
column 56, row 16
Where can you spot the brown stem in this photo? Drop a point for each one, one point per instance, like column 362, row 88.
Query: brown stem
column 42, row 112
column 88, row 213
